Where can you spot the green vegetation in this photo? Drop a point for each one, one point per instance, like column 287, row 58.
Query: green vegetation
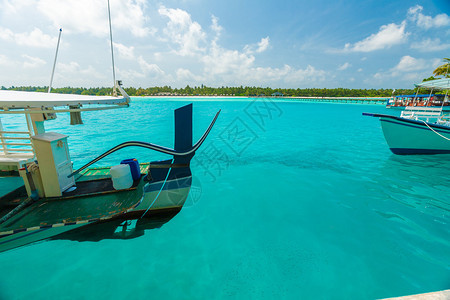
column 443, row 70
column 222, row 91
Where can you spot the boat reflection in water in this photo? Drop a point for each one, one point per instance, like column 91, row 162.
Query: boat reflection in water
column 121, row 228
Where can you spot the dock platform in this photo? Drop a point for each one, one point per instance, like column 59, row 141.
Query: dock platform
column 440, row 295
column 356, row 100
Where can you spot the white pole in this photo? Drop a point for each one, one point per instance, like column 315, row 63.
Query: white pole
column 54, row 63
column 112, row 51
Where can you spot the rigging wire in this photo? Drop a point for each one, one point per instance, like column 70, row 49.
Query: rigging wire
column 112, row 51
column 54, row 63
column 164, row 183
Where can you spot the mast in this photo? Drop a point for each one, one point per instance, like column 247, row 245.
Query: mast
column 54, row 63
column 112, row 52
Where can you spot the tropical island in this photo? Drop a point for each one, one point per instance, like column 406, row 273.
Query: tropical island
column 218, row 91
column 241, row 91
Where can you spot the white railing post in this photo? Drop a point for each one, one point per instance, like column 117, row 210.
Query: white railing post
column 4, row 146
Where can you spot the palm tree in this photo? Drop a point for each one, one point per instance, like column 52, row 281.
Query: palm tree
column 444, row 69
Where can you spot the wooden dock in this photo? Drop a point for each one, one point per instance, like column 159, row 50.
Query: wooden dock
column 441, row 295
column 356, row 100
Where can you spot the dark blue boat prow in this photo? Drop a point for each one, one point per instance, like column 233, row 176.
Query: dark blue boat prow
column 380, row 115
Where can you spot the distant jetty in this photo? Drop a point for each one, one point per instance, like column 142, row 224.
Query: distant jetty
column 360, row 100
column 339, row 95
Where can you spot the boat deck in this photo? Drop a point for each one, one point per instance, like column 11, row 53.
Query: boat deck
column 93, row 187
column 103, row 172
column 92, row 200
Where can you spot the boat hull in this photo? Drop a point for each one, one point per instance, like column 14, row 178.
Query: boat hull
column 32, row 235
column 405, row 136
column 146, row 200
column 160, row 195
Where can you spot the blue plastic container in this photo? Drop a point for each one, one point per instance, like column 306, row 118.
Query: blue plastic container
column 134, row 167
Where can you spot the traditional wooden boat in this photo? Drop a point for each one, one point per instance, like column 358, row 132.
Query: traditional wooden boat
column 56, row 200
column 419, row 129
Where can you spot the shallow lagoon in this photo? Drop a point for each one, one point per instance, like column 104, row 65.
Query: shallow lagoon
column 289, row 200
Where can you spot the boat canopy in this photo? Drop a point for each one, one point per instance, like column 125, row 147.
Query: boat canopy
column 439, row 84
column 26, row 100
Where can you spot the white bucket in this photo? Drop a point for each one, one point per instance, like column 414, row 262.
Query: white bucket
column 121, row 176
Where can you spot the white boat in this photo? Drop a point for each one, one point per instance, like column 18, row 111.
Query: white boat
column 55, row 199
column 419, row 129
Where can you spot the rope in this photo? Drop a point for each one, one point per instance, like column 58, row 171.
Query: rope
column 164, row 183
column 435, row 131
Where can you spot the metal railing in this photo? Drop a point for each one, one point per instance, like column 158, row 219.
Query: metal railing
column 15, row 142
column 422, row 113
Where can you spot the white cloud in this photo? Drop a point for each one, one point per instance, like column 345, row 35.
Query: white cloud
column 4, row 60
column 129, row 75
column 224, row 61
column 181, row 30
column 6, row 34
column 227, row 66
column 263, row 45
column 344, row 66
column 306, row 76
column 35, row 38
column 124, row 51
column 257, row 74
column 427, row 22
column 15, row 6
column 209, row 62
column 409, row 70
column 430, row 45
column 388, row 36
column 129, row 15
column 408, row 63
column 68, row 69
column 235, row 67
column 149, row 69
column 91, row 16
column 408, row 78
column 186, row 75
column 216, row 27
column 73, row 74
column 32, row 62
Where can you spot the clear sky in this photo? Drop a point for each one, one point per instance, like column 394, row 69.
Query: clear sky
column 271, row 43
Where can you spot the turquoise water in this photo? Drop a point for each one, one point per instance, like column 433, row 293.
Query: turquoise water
column 293, row 200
